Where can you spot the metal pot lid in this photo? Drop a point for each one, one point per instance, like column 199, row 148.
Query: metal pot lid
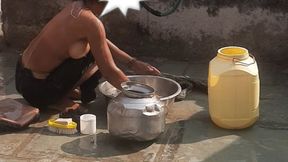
column 137, row 90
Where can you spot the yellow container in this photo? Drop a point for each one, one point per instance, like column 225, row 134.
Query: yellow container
column 233, row 86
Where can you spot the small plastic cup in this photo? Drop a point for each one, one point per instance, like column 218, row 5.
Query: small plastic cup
column 88, row 124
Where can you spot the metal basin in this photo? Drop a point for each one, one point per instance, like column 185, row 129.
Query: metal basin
column 166, row 89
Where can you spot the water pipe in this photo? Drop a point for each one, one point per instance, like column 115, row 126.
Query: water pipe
column 161, row 14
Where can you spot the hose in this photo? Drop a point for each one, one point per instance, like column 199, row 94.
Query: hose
column 158, row 13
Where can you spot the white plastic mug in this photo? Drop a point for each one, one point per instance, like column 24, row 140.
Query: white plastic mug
column 88, row 124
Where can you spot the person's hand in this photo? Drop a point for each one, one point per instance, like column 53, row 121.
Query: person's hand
column 141, row 67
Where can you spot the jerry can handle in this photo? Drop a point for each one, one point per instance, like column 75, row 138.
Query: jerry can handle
column 238, row 62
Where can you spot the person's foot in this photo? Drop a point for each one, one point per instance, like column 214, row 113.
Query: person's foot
column 85, row 95
column 73, row 110
column 75, row 94
column 66, row 105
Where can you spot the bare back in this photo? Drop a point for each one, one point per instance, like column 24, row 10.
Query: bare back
column 71, row 34
column 59, row 39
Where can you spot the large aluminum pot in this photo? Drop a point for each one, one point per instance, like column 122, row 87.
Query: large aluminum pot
column 136, row 113
column 167, row 89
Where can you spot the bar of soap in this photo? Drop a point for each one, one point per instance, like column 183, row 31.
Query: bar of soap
column 64, row 121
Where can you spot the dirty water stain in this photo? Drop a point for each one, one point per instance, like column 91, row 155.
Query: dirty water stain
column 170, row 141
column 182, row 110
column 175, row 128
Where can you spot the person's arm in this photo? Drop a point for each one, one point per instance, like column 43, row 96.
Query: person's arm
column 95, row 33
column 118, row 54
column 132, row 63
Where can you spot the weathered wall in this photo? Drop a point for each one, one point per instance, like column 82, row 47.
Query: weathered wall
column 23, row 19
column 194, row 32
column 0, row 10
column 200, row 27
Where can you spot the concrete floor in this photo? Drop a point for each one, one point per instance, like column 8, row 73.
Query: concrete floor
column 190, row 135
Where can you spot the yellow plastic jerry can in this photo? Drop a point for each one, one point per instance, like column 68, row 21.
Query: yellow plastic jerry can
column 233, row 88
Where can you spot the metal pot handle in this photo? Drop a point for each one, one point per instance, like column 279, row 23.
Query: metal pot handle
column 238, row 62
column 152, row 110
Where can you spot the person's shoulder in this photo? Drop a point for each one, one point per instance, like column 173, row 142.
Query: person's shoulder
column 90, row 23
column 87, row 17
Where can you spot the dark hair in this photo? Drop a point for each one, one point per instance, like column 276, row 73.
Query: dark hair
column 85, row 2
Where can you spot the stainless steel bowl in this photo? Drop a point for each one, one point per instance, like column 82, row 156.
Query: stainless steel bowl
column 166, row 89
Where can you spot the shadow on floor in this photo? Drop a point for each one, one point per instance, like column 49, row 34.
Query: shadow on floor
column 107, row 146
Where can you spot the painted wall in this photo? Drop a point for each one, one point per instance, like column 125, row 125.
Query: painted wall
column 194, row 32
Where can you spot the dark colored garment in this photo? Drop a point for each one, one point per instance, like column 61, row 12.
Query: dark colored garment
column 43, row 92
